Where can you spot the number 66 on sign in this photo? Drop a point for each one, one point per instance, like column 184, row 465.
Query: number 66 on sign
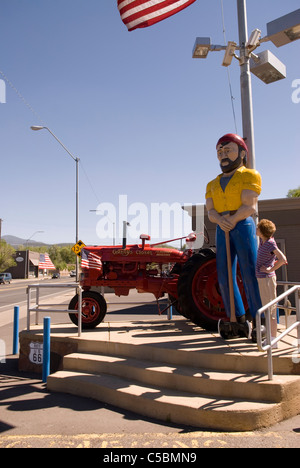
column 36, row 353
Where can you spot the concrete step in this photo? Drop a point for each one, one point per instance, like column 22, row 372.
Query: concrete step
column 169, row 405
column 205, row 352
column 177, row 372
column 225, row 384
column 220, row 400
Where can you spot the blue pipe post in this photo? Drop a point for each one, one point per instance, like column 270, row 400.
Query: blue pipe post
column 46, row 348
column 16, row 330
column 170, row 311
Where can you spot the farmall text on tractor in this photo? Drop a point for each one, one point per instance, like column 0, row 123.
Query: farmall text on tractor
column 189, row 279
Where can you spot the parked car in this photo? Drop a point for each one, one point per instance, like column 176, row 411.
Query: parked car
column 55, row 275
column 72, row 273
column 5, row 278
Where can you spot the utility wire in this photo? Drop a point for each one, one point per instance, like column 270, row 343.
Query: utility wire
column 89, row 182
column 21, row 97
column 228, row 72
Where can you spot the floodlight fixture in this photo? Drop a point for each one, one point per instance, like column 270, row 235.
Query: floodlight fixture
column 267, row 67
column 253, row 40
column 285, row 29
column 202, row 47
column 229, row 54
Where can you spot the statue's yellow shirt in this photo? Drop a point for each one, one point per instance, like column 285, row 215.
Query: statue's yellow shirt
column 230, row 199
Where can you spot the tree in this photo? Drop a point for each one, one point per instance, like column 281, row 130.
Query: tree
column 294, row 193
column 62, row 256
column 6, row 256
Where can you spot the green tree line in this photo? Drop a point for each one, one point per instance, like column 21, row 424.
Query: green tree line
column 62, row 257
column 294, row 193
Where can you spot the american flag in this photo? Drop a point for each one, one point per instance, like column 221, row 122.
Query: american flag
column 45, row 262
column 90, row 260
column 142, row 13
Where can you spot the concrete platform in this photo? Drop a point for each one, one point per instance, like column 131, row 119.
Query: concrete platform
column 173, row 371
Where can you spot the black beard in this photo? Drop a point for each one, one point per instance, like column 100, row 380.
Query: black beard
column 232, row 165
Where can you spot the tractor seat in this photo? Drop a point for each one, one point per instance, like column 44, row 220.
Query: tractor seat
column 145, row 237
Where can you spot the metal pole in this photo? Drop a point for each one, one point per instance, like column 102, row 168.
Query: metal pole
column 16, row 331
column 246, row 88
column 28, row 306
column 269, row 342
column 37, row 301
column 77, row 215
column 297, row 301
column 46, row 349
column 124, row 234
column 79, row 310
column 170, row 311
column 37, row 127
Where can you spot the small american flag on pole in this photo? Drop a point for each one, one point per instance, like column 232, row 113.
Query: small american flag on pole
column 90, row 260
column 46, row 263
column 142, row 13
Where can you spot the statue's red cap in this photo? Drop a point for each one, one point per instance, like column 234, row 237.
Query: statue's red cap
column 231, row 137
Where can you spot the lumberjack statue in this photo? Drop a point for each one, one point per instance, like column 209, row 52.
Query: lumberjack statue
column 231, row 200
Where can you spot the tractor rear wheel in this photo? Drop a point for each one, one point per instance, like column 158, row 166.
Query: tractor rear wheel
column 94, row 309
column 199, row 294
column 198, row 291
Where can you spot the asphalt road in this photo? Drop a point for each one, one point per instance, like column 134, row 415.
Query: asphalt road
column 15, row 292
column 30, row 416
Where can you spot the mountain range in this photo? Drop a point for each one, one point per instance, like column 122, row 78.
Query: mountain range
column 15, row 241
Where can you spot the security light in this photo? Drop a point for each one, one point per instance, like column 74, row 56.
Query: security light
column 267, row 67
column 229, row 54
column 254, row 38
column 201, row 47
column 285, row 29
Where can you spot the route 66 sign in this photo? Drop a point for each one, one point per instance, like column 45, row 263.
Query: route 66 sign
column 36, row 353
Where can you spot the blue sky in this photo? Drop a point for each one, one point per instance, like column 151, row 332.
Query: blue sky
column 139, row 112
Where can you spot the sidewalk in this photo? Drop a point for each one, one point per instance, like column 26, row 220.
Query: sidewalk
column 30, row 416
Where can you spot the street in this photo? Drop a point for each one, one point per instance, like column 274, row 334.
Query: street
column 15, row 293
column 30, row 416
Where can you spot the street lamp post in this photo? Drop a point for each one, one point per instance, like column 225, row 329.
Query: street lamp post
column 246, row 86
column 27, row 254
column 265, row 65
column 36, row 232
column 38, row 127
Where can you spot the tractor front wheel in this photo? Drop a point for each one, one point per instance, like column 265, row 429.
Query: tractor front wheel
column 94, row 309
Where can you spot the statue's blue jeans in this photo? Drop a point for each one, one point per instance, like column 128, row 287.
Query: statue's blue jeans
column 243, row 249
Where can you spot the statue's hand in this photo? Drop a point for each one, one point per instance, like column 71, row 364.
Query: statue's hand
column 226, row 223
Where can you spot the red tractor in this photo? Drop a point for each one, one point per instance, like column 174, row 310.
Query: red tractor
column 190, row 280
